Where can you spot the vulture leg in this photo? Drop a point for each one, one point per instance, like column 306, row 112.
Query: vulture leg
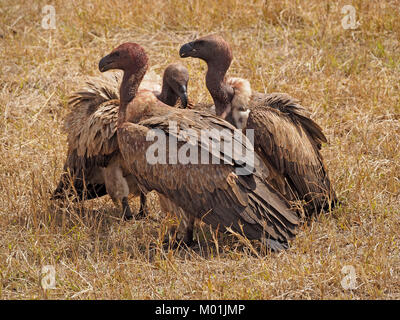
column 117, row 187
column 188, row 226
column 184, row 232
column 134, row 190
column 126, row 210
column 143, row 208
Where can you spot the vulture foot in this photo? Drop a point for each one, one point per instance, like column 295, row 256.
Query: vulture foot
column 172, row 241
column 126, row 210
column 143, row 211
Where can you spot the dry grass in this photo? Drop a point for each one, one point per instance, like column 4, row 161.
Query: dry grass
column 349, row 79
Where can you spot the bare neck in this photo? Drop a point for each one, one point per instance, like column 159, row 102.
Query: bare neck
column 167, row 95
column 221, row 93
column 127, row 92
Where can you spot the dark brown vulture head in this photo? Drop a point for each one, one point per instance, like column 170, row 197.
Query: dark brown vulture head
column 216, row 52
column 211, row 48
column 175, row 80
column 128, row 56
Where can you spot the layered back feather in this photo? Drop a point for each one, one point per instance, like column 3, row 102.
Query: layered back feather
column 91, row 128
column 211, row 192
column 91, row 125
column 288, row 139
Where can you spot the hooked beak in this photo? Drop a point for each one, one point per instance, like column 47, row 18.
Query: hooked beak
column 105, row 63
column 183, row 96
column 186, row 50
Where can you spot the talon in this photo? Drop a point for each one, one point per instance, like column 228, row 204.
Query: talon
column 128, row 217
column 141, row 214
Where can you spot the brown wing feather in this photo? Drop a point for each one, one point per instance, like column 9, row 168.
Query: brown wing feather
column 75, row 179
column 97, row 136
column 213, row 192
column 92, row 139
column 91, row 125
column 289, row 140
column 91, row 129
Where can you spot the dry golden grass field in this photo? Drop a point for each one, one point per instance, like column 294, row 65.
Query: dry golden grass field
column 347, row 78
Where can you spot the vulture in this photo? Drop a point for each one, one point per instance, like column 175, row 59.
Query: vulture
column 94, row 165
column 221, row 187
column 285, row 137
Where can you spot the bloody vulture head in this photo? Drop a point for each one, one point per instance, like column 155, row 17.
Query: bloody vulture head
column 128, row 56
